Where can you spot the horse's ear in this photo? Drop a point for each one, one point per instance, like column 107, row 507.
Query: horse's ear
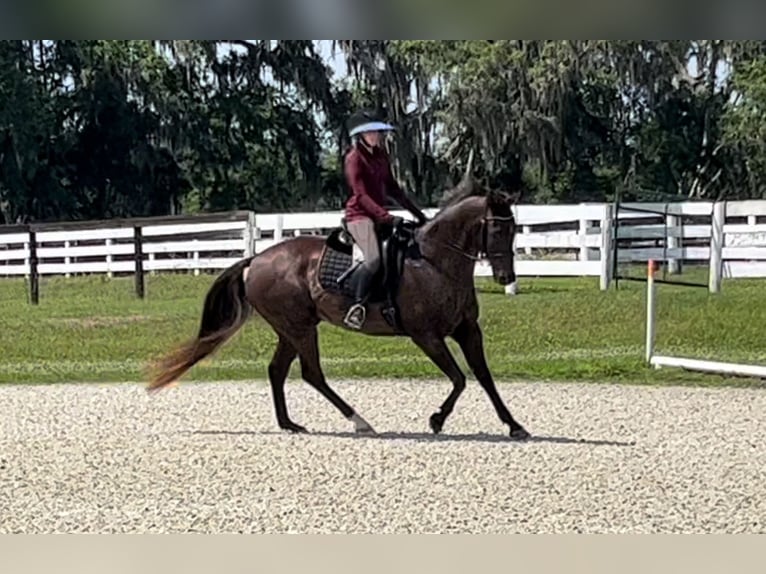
column 502, row 201
column 494, row 197
column 497, row 199
column 513, row 198
column 505, row 197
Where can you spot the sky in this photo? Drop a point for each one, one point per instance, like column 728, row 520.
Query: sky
column 336, row 61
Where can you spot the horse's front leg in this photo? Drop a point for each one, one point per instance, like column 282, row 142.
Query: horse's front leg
column 469, row 336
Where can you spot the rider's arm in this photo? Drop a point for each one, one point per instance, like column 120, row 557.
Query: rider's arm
column 401, row 197
column 356, row 182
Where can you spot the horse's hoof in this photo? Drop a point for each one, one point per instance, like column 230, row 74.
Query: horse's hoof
column 519, row 434
column 361, row 426
column 436, row 423
column 294, row 428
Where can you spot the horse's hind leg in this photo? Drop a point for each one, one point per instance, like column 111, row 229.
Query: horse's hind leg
column 311, row 370
column 284, row 355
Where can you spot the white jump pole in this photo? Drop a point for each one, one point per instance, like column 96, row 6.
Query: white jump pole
column 754, row 371
column 659, row 361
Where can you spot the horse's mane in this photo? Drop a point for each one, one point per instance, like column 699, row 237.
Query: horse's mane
column 467, row 187
column 452, row 198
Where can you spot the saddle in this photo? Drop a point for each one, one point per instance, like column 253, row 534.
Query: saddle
column 396, row 244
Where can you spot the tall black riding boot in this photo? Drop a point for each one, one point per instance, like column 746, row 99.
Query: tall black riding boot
column 357, row 313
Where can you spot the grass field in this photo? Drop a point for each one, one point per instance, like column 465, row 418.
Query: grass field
column 94, row 329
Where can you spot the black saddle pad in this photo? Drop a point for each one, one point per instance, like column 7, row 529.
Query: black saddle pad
column 335, row 263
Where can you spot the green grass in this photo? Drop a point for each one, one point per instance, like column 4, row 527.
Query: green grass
column 94, row 329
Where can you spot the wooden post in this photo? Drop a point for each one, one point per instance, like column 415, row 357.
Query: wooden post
column 67, row 259
column 257, row 235
column 248, row 236
column 513, row 288
column 109, row 258
column 583, row 234
column 526, row 230
column 34, row 276
column 195, row 257
column 606, row 247
column 674, row 242
column 138, row 255
column 716, row 246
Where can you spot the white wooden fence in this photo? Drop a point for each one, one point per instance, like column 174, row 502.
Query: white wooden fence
column 554, row 240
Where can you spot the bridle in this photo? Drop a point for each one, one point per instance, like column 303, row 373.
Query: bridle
column 484, row 221
column 483, row 251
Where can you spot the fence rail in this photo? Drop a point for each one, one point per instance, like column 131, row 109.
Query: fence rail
column 553, row 240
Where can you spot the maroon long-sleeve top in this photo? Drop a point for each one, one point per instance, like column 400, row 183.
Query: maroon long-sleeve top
column 369, row 175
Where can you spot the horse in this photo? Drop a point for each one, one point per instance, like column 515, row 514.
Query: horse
column 433, row 293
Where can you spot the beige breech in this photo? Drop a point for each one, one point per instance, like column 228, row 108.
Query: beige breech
column 365, row 243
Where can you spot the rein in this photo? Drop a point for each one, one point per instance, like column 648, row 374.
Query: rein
column 483, row 253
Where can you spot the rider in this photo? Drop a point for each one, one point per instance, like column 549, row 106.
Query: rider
column 368, row 174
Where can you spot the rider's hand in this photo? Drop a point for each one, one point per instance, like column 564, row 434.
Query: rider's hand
column 421, row 217
column 396, row 221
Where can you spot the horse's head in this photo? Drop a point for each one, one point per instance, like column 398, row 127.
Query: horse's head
column 487, row 216
column 498, row 229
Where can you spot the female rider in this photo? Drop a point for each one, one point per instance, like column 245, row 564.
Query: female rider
column 369, row 176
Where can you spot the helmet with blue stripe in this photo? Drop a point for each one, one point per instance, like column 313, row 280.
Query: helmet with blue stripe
column 366, row 121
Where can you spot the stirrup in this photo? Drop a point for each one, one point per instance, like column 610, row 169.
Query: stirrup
column 355, row 316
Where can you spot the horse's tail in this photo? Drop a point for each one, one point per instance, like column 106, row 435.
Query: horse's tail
column 225, row 311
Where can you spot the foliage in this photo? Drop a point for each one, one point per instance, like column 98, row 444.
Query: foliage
column 100, row 129
column 745, row 128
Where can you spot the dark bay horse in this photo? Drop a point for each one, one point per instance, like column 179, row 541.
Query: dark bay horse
column 436, row 298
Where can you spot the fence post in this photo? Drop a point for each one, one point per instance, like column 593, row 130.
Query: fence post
column 716, row 246
column 526, row 230
column 26, row 259
column 583, row 234
column 249, row 235
column 67, row 259
column 280, row 227
column 674, row 242
column 34, row 276
column 138, row 256
column 195, row 243
column 109, row 258
column 606, row 247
